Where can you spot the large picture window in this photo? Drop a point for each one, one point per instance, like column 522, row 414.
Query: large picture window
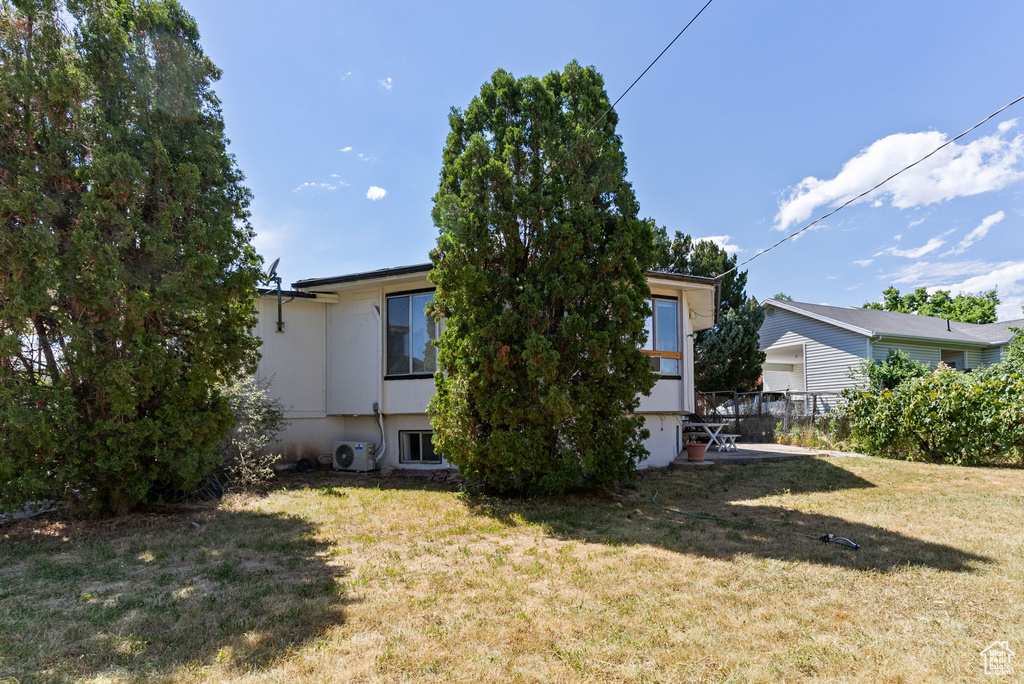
column 410, row 332
column 663, row 337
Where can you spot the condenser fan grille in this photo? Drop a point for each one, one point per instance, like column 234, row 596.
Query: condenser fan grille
column 344, row 456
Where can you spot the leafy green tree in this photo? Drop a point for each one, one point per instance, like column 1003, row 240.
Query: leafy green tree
column 540, row 272
column 965, row 308
column 682, row 254
column 726, row 357
column 127, row 278
column 782, row 297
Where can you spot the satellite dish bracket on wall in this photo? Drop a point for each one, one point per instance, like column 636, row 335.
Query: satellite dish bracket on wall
column 272, row 277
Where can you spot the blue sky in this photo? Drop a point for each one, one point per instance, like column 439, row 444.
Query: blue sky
column 763, row 116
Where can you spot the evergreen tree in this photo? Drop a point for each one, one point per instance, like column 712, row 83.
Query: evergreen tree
column 126, row 271
column 540, row 269
column 683, row 255
column 726, row 357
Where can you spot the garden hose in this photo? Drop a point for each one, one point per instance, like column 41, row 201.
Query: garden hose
column 828, row 538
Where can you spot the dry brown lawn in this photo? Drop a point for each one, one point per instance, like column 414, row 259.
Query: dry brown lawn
column 334, row 579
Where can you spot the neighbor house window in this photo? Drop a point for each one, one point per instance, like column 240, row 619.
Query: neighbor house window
column 957, row 360
column 417, row 447
column 663, row 336
column 410, row 332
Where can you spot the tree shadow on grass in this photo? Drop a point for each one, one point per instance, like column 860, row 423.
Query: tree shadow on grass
column 153, row 594
column 630, row 517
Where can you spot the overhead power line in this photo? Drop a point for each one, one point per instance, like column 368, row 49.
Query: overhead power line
column 613, row 105
column 873, row 188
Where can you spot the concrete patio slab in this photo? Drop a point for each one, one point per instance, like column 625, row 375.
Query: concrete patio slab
column 758, row 453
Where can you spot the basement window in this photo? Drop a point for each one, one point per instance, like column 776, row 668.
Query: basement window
column 417, row 447
column 662, row 344
column 410, row 334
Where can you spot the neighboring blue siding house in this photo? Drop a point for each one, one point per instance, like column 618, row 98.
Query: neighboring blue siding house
column 812, row 347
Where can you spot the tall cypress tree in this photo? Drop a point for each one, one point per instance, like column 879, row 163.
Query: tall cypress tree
column 126, row 271
column 540, row 269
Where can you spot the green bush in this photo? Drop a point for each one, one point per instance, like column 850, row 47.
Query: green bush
column 897, row 368
column 259, row 419
column 943, row 417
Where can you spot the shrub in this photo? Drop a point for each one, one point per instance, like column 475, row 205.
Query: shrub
column 897, row 368
column 259, row 419
column 944, row 417
column 127, row 274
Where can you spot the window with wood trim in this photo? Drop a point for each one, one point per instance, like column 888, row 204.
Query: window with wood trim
column 409, row 337
column 663, row 336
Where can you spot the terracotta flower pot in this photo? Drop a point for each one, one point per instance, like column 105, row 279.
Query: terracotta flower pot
column 695, row 451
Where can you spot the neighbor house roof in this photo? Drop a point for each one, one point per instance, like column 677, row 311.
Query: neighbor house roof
column 873, row 322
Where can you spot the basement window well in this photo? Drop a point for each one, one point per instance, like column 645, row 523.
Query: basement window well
column 417, row 447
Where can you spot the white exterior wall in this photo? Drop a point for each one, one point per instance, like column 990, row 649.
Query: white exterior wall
column 931, row 354
column 328, row 366
column 992, row 355
column 294, row 360
column 779, row 377
column 354, row 344
column 830, row 351
column 920, row 352
column 663, row 445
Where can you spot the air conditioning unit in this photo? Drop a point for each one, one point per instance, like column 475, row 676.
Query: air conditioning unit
column 354, row 456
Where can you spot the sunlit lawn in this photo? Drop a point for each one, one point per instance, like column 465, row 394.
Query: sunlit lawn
column 332, row 579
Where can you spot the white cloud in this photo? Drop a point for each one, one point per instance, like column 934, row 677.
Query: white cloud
column 387, row 83
column 914, row 252
column 978, row 233
column 375, row 193
column 344, row 76
column 310, row 185
column 722, row 241
column 987, row 164
column 917, row 222
column 346, row 149
column 864, row 262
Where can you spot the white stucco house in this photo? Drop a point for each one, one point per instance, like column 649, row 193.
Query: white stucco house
column 351, row 360
column 813, row 347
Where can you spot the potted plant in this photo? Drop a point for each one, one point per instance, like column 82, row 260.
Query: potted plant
column 696, row 447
